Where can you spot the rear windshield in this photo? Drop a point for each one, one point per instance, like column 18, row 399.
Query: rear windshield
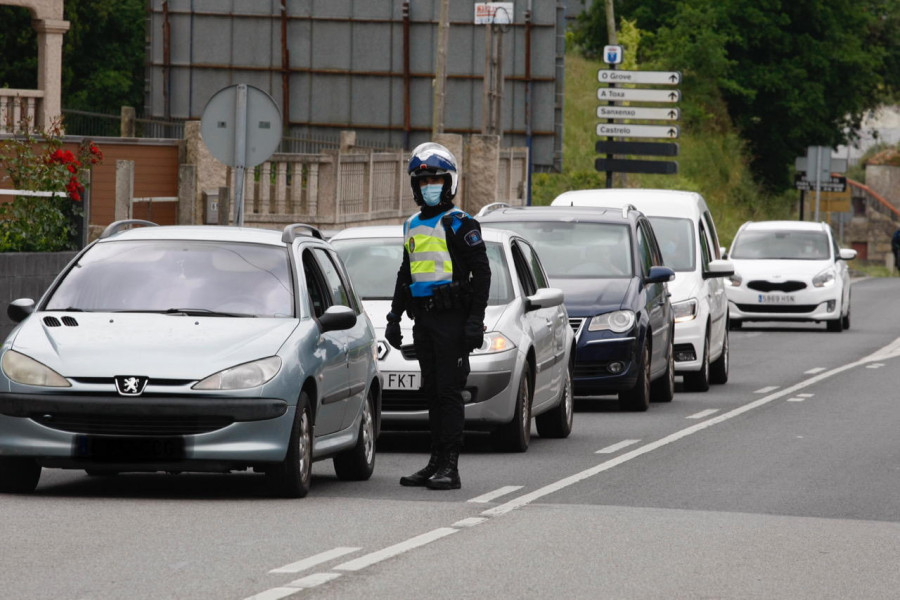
column 781, row 245
column 161, row 275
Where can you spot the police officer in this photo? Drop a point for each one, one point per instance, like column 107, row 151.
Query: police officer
column 443, row 284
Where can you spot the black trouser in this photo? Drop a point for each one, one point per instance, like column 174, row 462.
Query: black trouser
column 439, row 338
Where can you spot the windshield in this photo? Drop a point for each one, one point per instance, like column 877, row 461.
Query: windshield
column 676, row 241
column 373, row 264
column 191, row 276
column 781, row 245
column 578, row 250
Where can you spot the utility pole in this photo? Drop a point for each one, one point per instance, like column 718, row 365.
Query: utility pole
column 440, row 70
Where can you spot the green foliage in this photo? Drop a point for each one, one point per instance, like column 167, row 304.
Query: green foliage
column 44, row 224
column 103, row 53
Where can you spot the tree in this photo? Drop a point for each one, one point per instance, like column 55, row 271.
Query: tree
column 103, row 53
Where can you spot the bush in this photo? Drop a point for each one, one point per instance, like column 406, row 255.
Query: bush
column 44, row 224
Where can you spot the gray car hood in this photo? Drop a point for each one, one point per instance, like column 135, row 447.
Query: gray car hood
column 158, row 346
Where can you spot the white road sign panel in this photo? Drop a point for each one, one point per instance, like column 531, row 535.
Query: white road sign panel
column 638, row 95
column 657, row 77
column 637, row 131
column 631, row 112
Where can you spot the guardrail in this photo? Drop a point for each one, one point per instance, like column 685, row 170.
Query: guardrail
column 19, row 109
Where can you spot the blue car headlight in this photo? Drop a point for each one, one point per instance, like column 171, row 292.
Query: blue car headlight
column 25, row 370
column 247, row 375
column 617, row 321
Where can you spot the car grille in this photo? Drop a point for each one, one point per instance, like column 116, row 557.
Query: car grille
column 776, row 286
column 575, row 323
column 777, row 308
column 403, row 401
column 133, row 425
column 591, row 369
column 409, row 352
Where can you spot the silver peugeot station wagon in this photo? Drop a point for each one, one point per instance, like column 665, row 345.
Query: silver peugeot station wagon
column 192, row 348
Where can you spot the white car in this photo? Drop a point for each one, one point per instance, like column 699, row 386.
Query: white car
column 689, row 243
column 789, row 271
column 524, row 368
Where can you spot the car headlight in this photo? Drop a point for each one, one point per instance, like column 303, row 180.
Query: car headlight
column 734, row 280
column 824, row 279
column 494, row 341
column 685, row 310
column 618, row 321
column 247, row 375
column 26, row 370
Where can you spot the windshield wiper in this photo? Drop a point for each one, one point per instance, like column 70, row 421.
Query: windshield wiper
column 203, row 312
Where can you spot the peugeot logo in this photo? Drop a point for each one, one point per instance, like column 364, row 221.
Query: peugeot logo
column 131, row 385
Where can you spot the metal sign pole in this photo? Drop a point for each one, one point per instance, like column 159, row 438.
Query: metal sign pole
column 240, row 152
column 818, row 178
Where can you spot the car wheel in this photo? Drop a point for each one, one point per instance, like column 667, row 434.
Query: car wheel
column 291, row 478
column 846, row 319
column 663, row 389
column 718, row 370
column 515, row 435
column 358, row 463
column 698, row 381
column 637, row 399
column 19, row 475
column 835, row 325
column 557, row 422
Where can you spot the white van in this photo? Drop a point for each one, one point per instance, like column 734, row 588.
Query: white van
column 690, row 245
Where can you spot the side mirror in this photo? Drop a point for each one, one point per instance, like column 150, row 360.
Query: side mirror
column 19, row 309
column 337, row 318
column 847, row 254
column 544, row 298
column 719, row 268
column 659, row 275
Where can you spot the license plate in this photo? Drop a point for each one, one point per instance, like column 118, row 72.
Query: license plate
column 126, row 449
column 776, row 299
column 402, row 381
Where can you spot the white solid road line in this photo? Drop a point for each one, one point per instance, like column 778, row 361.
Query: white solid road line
column 312, row 561
column 485, row 498
column 703, row 413
column 311, row 581
column 616, row 447
column 420, row 540
column 274, row 593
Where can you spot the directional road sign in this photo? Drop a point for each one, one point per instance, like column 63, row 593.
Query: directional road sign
column 659, row 167
column 631, row 112
column 637, row 131
column 657, row 77
column 648, row 148
column 638, row 95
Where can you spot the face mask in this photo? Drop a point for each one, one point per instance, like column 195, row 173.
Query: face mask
column 432, row 194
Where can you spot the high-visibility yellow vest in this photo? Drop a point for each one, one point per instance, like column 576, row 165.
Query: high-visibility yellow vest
column 430, row 263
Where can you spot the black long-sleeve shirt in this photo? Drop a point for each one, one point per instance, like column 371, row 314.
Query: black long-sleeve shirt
column 470, row 264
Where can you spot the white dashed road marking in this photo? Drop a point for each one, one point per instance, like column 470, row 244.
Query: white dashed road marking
column 420, row 540
column 704, row 413
column 312, row 561
column 485, row 498
column 274, row 593
column 616, row 447
column 766, row 390
column 875, row 366
column 470, row 522
column 311, row 581
column 814, row 371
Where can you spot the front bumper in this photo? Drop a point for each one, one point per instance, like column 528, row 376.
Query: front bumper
column 746, row 305
column 597, row 357
column 144, row 433
column 690, row 336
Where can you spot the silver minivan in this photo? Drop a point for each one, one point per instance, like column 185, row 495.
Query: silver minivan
column 687, row 237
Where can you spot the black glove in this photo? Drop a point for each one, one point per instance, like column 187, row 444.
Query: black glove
column 392, row 333
column 474, row 334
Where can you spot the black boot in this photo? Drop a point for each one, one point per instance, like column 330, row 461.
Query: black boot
column 447, row 475
column 421, row 476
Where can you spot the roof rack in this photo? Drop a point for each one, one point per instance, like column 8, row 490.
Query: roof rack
column 291, row 232
column 492, row 207
column 117, row 226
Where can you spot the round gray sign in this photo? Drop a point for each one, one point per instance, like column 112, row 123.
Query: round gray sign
column 241, row 116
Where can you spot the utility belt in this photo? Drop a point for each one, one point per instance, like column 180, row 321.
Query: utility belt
column 452, row 296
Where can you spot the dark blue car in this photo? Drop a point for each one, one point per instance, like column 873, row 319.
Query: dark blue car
column 608, row 264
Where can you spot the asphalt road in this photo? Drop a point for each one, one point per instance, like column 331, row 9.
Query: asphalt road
column 782, row 483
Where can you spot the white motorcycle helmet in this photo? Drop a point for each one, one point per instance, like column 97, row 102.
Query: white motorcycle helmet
column 430, row 160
